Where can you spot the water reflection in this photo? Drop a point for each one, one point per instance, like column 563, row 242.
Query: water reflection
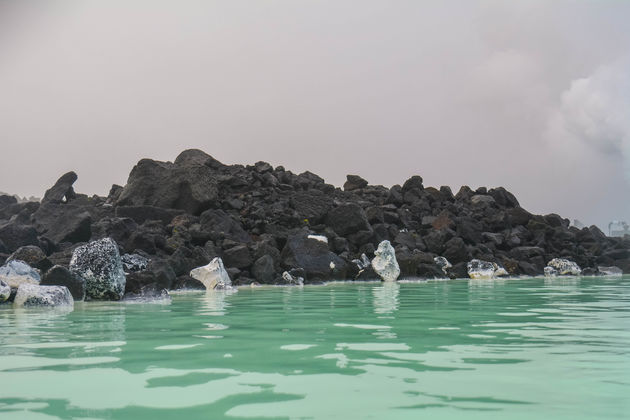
column 386, row 299
column 214, row 302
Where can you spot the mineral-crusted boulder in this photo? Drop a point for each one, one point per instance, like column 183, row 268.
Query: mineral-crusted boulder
column 5, row 291
column 98, row 264
column 36, row 295
column 15, row 273
column 213, row 275
column 443, row 263
column 134, row 262
column 478, row 269
column 384, row 262
column 562, row 267
column 61, row 276
column 312, row 255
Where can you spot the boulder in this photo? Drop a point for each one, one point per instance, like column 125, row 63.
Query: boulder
column 15, row 273
column 5, row 291
column 221, row 225
column 443, row 263
column 185, row 185
column 99, row 265
column 212, row 275
column 264, row 270
column 347, row 219
column 354, row 182
column 479, row 269
column 562, row 267
column 61, row 276
column 312, row 255
column 311, row 205
column 29, row 295
column 62, row 191
column 33, row 256
column 384, row 262
column 14, row 235
column 63, row 223
column 134, row 262
column 237, row 256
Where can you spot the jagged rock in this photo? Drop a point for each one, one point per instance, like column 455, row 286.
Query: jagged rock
column 478, row 269
column 347, row 219
column 264, row 270
column 7, row 200
column 33, row 256
column 5, row 291
column 184, row 185
column 14, row 273
column 36, row 295
column 562, row 267
column 222, row 225
column 63, row 222
column 237, row 256
column 313, row 256
column 14, row 235
column 134, row 262
column 610, row 271
column 311, row 206
column 384, row 262
column 213, row 275
column 354, row 182
column 98, row 264
column 61, row 276
column 62, row 190
column 443, row 263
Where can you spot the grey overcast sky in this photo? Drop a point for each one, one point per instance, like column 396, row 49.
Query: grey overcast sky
column 532, row 95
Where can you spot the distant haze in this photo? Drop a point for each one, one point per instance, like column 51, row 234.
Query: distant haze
column 531, row 95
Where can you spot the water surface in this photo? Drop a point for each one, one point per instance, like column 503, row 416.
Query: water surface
column 512, row 349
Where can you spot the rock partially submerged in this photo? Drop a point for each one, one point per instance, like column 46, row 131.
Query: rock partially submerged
column 5, row 291
column 98, row 264
column 61, row 276
column 36, row 295
column 610, row 271
column 483, row 270
column 443, row 263
column 15, row 273
column 384, row 262
column 562, row 267
column 213, row 275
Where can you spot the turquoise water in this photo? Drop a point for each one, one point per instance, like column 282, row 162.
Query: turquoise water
column 528, row 348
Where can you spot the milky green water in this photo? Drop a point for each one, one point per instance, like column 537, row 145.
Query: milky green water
column 514, row 349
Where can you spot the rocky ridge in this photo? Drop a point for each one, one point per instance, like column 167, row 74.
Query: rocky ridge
column 271, row 226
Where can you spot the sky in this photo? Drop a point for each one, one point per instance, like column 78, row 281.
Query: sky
column 527, row 94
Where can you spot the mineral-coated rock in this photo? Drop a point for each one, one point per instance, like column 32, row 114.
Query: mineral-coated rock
column 478, row 269
column 134, row 262
column 564, row 267
column 443, row 263
column 610, row 271
column 14, row 273
column 36, row 295
column 212, row 275
column 5, row 291
column 289, row 279
column 384, row 262
column 98, row 264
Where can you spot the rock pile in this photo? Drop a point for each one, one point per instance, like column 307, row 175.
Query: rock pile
column 262, row 222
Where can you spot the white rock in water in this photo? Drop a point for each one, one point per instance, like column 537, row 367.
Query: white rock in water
column 384, row 262
column 564, row 267
column 443, row 263
column 36, row 295
column 5, row 291
column 99, row 265
column 289, row 279
column 499, row 270
column 550, row 272
column 607, row 271
column 16, row 272
column 320, row 238
column 212, row 275
column 478, row 269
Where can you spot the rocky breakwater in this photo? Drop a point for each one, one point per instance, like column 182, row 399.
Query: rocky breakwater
column 269, row 225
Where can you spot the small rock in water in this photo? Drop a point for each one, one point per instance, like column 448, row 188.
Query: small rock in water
column 36, row 295
column 499, row 271
column 610, row 271
column 134, row 262
column 384, row 262
column 98, row 264
column 289, row 279
column 212, row 275
column 478, row 269
column 5, row 291
column 562, row 267
column 61, row 276
column 16, row 272
column 443, row 263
